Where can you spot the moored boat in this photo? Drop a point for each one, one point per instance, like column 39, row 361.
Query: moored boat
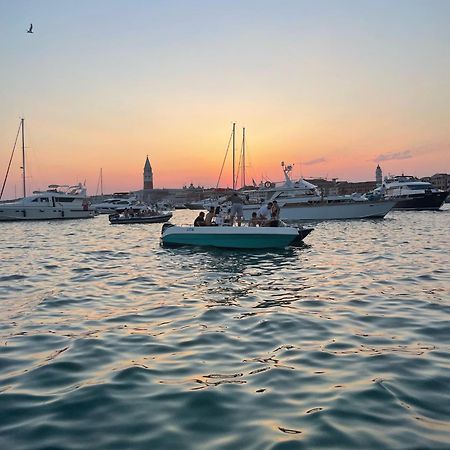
column 58, row 202
column 410, row 193
column 140, row 218
column 302, row 201
column 233, row 237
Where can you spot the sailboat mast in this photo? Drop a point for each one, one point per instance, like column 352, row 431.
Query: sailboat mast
column 234, row 155
column 23, row 157
column 243, row 157
column 101, row 181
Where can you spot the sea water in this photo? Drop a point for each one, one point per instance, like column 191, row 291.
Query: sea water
column 109, row 341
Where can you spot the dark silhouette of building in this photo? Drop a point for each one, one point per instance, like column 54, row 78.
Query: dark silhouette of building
column 148, row 175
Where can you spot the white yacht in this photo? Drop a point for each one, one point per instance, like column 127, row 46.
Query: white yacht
column 113, row 205
column 58, row 202
column 410, row 193
column 301, row 200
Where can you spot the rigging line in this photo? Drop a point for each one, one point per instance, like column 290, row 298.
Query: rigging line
column 10, row 160
column 224, row 160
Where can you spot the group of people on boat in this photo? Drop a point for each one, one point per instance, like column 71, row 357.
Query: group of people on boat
column 267, row 216
column 130, row 212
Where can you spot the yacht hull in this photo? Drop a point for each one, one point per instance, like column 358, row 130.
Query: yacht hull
column 432, row 202
column 8, row 214
column 329, row 211
column 232, row 237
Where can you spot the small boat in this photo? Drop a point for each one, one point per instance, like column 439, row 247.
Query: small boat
column 118, row 205
column 233, row 237
column 154, row 217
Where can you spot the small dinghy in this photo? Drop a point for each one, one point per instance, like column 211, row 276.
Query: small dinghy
column 233, row 237
column 147, row 218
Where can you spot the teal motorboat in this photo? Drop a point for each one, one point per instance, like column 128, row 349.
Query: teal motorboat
column 233, row 237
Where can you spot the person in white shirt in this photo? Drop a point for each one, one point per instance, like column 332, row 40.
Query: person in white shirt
column 264, row 212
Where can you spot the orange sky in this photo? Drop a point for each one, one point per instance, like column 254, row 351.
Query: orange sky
column 333, row 90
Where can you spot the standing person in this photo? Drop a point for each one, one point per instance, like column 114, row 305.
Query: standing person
column 200, row 220
column 236, row 208
column 275, row 211
column 209, row 217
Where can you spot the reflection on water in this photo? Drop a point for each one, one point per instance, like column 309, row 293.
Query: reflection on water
column 107, row 337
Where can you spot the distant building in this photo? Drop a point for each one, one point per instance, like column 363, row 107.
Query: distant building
column 439, row 180
column 378, row 176
column 335, row 187
column 148, row 175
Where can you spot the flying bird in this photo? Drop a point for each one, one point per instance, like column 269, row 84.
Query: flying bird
column 30, row 30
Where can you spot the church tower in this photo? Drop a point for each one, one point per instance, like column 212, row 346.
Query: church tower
column 148, row 175
column 379, row 176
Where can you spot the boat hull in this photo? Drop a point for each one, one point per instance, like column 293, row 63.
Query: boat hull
column 329, row 211
column 432, row 201
column 9, row 214
column 150, row 219
column 232, row 237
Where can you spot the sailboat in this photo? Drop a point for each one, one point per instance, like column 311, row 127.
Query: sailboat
column 57, row 202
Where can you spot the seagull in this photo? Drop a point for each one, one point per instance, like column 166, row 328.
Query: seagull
column 30, row 30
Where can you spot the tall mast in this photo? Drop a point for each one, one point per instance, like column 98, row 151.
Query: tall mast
column 243, row 157
column 234, row 151
column 23, row 157
column 101, row 181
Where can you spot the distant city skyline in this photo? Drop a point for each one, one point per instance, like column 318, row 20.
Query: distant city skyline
column 332, row 87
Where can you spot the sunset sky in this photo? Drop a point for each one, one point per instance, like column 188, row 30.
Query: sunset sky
column 334, row 87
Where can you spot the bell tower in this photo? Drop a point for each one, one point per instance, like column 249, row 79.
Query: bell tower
column 148, row 175
column 379, row 176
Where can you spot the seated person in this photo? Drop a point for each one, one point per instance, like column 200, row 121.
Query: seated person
column 273, row 222
column 200, row 220
column 254, row 221
column 275, row 209
column 209, row 217
column 264, row 212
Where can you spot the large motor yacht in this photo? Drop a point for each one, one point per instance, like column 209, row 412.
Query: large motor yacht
column 301, row 200
column 58, row 202
column 411, row 193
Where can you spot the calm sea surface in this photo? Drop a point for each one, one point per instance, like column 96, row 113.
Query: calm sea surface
column 108, row 341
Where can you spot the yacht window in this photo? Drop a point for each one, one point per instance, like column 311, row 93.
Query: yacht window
column 35, row 200
column 43, row 199
column 419, row 187
column 63, row 199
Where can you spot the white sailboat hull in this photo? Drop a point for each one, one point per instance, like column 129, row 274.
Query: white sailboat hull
column 328, row 211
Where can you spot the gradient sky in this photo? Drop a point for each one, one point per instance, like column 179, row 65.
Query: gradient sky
column 332, row 86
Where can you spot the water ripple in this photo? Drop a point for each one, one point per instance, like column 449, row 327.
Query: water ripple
column 108, row 338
